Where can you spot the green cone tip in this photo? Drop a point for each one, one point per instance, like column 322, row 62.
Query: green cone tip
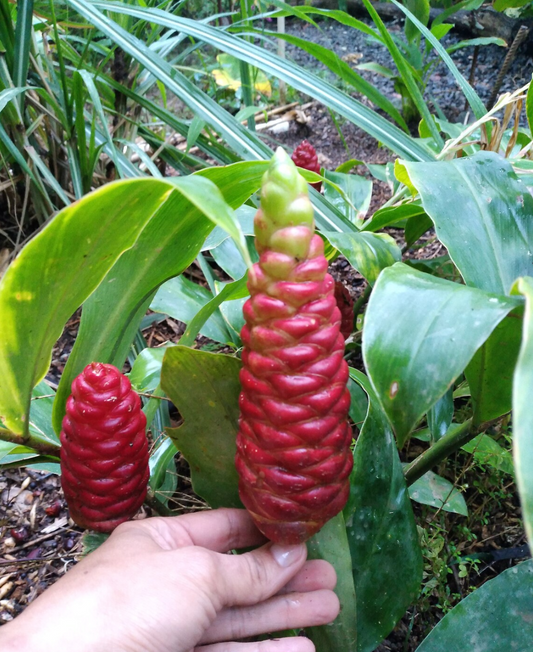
column 284, row 198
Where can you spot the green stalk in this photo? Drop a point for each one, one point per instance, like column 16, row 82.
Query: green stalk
column 451, row 442
column 42, row 447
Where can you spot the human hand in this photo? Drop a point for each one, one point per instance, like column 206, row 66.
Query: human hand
column 163, row 585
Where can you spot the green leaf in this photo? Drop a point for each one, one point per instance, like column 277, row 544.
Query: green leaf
column 523, row 415
column 416, row 226
column 331, row 544
column 163, row 475
column 493, row 618
column 387, row 216
column 9, row 94
column 472, row 42
column 230, row 292
column 55, row 273
column 356, row 188
column 165, row 248
column 182, row 299
column 420, row 333
column 482, row 214
column 529, row 107
column 404, row 69
column 490, row 372
column 346, row 73
column 419, row 9
column 369, row 253
column 41, row 408
column 477, row 106
column 210, row 425
column 440, row 416
column 358, row 404
column 23, row 42
column 381, row 529
column 146, row 371
column 433, row 490
column 488, row 452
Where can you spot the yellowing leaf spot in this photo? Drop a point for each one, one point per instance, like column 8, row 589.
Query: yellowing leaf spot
column 212, row 403
column 24, row 296
column 393, row 389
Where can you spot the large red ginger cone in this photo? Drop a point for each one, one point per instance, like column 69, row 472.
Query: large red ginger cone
column 104, row 450
column 305, row 156
column 293, row 447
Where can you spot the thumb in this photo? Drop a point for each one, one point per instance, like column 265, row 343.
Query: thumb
column 255, row 576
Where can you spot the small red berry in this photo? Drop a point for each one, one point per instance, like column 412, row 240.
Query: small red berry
column 54, row 509
column 104, row 450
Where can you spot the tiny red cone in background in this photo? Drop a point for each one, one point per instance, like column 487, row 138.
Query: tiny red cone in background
column 345, row 305
column 305, row 156
column 104, row 450
column 293, row 446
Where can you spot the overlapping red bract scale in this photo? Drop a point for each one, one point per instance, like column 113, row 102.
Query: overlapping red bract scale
column 104, row 450
column 305, row 156
column 293, row 446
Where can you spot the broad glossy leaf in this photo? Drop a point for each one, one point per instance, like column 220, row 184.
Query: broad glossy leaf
column 356, row 188
column 146, row 371
column 420, row 333
column 331, row 544
column 416, row 226
column 207, row 436
column 358, row 404
column 440, row 416
column 182, row 299
column 386, row 556
column 171, row 242
column 488, row 452
column 231, row 292
column 482, row 214
column 55, row 273
column 245, row 214
column 163, row 476
column 369, row 253
column 522, row 412
column 434, row 490
column 228, row 257
column 387, row 216
column 495, row 617
column 490, row 373
column 41, row 408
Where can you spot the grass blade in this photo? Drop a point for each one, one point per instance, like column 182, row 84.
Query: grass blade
column 473, row 99
column 302, row 80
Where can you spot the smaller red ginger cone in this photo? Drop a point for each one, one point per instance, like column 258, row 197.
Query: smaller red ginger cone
column 345, row 305
column 305, row 156
column 104, row 450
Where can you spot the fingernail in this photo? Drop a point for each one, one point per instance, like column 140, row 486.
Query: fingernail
column 287, row 555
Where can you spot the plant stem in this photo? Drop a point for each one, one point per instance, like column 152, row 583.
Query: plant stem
column 157, row 505
column 439, row 451
column 42, row 447
column 361, row 301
